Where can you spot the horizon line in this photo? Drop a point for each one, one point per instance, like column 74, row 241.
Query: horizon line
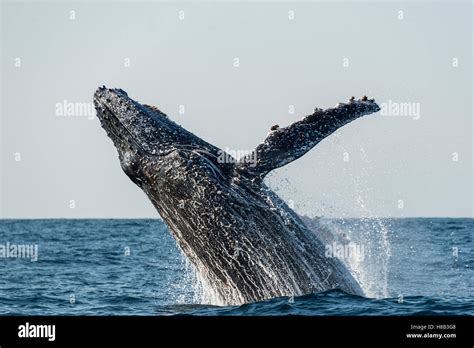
column 159, row 218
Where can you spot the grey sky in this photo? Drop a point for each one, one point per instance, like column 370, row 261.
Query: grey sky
column 395, row 165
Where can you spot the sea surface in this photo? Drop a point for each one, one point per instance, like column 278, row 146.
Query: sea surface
column 133, row 267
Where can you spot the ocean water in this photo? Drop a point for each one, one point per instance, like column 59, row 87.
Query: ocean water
column 133, row 267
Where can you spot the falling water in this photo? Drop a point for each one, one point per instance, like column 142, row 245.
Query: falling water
column 369, row 233
column 371, row 267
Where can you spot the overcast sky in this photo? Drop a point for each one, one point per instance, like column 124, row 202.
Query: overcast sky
column 236, row 69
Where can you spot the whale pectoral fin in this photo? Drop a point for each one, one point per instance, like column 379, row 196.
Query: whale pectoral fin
column 284, row 145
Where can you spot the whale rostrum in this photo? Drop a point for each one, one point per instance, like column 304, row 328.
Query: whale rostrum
column 245, row 243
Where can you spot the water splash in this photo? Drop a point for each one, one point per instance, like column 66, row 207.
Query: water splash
column 202, row 292
column 373, row 232
column 370, row 231
column 370, row 270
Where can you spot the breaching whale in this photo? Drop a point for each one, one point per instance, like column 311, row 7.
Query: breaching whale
column 244, row 241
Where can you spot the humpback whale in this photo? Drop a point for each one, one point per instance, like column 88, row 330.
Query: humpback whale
column 244, row 241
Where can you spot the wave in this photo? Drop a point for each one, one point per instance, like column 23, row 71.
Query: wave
column 333, row 303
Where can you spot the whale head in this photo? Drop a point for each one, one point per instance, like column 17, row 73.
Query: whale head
column 149, row 144
column 129, row 123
